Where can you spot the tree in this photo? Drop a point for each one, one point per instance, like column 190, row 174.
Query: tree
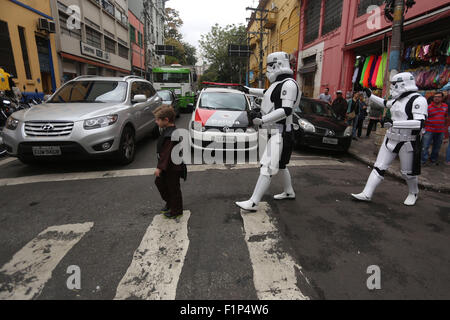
column 214, row 46
column 173, row 23
column 179, row 52
column 191, row 51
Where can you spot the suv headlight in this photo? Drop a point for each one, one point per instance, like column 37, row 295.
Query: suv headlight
column 306, row 125
column 12, row 123
column 348, row 132
column 100, row 122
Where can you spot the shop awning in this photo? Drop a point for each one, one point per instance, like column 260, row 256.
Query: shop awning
column 308, row 68
column 91, row 62
column 408, row 25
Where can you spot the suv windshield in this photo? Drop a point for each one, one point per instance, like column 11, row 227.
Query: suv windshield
column 315, row 108
column 223, row 101
column 91, row 92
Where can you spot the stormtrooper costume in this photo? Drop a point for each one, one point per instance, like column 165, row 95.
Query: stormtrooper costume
column 409, row 111
column 279, row 101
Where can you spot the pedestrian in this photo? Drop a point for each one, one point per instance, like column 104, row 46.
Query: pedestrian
column 167, row 173
column 325, row 96
column 375, row 115
column 352, row 113
column 435, row 128
column 339, row 105
column 362, row 114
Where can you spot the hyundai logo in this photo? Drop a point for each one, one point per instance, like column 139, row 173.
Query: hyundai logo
column 330, row 133
column 226, row 129
column 47, row 127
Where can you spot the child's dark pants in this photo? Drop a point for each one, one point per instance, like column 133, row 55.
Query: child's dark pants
column 168, row 184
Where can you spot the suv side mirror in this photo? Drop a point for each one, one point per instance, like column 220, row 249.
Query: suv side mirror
column 139, row 98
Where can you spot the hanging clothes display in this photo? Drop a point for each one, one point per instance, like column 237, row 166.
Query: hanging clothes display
column 381, row 71
column 373, row 79
column 366, row 63
column 368, row 70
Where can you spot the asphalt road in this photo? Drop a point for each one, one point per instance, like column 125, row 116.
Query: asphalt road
column 323, row 237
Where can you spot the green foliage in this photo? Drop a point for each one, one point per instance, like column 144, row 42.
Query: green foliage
column 172, row 24
column 214, row 46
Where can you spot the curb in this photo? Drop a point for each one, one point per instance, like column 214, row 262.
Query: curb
column 423, row 185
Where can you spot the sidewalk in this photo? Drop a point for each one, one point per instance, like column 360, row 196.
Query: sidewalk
column 436, row 178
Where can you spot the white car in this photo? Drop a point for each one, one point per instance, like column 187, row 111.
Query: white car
column 220, row 122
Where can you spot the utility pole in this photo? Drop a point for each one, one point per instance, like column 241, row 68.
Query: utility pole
column 261, row 33
column 396, row 42
column 145, row 13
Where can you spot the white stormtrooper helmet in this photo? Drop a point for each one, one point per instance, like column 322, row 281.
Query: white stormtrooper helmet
column 401, row 83
column 277, row 64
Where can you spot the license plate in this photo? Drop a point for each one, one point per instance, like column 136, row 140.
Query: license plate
column 47, row 151
column 330, row 140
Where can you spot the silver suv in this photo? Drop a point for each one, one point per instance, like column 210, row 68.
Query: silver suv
column 89, row 116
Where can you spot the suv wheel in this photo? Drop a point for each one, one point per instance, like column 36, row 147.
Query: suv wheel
column 127, row 147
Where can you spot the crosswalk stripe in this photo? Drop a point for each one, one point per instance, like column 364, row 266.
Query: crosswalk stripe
column 274, row 271
column 24, row 277
column 149, row 171
column 156, row 266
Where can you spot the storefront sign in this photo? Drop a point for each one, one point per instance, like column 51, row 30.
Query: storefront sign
column 91, row 51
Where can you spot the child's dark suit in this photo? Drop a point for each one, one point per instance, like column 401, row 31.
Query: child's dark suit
column 168, row 183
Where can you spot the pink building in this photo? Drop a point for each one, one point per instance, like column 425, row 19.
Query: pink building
column 336, row 35
column 137, row 44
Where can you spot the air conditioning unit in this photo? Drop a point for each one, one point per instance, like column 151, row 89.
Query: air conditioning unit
column 43, row 24
column 51, row 27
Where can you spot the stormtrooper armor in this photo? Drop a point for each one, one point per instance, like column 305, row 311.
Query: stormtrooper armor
column 277, row 106
column 409, row 111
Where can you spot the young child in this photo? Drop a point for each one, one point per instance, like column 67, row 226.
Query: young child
column 167, row 173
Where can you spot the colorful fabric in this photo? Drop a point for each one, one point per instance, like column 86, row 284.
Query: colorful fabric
column 367, row 73
column 4, row 80
column 381, row 71
column 436, row 118
column 373, row 80
column 366, row 62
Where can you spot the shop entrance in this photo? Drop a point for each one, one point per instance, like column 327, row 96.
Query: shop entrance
column 308, row 84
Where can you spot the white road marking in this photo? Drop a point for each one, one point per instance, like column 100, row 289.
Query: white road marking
column 7, row 160
column 274, row 271
column 24, row 277
column 148, row 172
column 156, row 266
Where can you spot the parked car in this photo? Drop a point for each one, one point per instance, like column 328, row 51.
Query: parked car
column 89, row 116
column 169, row 98
column 320, row 127
column 220, row 121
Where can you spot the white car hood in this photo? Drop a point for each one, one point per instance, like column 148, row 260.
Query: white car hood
column 67, row 111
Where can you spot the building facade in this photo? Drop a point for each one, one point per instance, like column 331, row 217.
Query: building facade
column 96, row 44
column 151, row 11
column 281, row 26
column 28, row 49
column 337, row 36
column 137, row 45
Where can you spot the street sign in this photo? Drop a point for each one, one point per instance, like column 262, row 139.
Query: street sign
column 235, row 50
column 165, row 50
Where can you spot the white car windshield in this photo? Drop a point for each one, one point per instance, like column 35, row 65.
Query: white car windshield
column 223, row 101
column 91, row 92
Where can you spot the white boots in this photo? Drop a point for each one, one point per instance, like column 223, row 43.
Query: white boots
column 375, row 179
column 288, row 192
column 260, row 189
column 413, row 186
column 372, row 183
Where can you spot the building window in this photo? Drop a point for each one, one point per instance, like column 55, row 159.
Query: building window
column 93, row 38
column 364, row 4
column 123, row 51
column 23, row 44
column 132, row 34
column 74, row 33
column 6, row 53
column 108, row 6
column 140, row 39
column 110, row 45
column 332, row 16
column 312, row 16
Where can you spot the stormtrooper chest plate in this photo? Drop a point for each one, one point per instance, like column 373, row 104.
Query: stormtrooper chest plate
column 267, row 106
column 398, row 112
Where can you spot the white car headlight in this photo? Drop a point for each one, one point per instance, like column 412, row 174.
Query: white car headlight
column 12, row 123
column 348, row 132
column 100, row 122
column 250, row 130
column 197, row 126
column 306, row 125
